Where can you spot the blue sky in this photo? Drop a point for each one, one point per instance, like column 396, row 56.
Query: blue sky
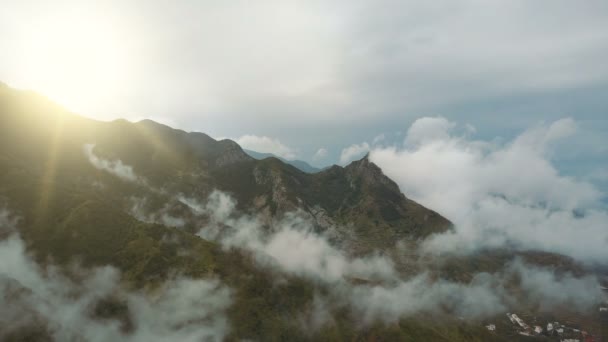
column 296, row 77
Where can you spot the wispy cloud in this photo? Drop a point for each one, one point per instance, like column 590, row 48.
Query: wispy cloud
column 115, row 167
column 290, row 242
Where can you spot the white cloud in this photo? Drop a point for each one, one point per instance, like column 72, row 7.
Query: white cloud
column 320, row 154
column 353, row 152
column 266, row 145
column 298, row 249
column 498, row 194
column 115, row 167
column 292, row 244
column 428, row 129
column 552, row 291
column 289, row 242
column 180, row 310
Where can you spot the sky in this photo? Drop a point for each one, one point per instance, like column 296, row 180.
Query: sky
column 324, row 81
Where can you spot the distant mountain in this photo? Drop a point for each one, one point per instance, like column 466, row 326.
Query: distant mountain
column 299, row 164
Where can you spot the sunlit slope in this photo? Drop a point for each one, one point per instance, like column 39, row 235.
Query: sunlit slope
column 358, row 195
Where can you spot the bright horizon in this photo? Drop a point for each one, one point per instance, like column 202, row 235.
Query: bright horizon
column 273, row 75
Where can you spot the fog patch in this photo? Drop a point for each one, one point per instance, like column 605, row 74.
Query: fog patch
column 163, row 216
column 550, row 290
column 114, row 167
column 371, row 287
column 289, row 242
column 181, row 310
column 422, row 294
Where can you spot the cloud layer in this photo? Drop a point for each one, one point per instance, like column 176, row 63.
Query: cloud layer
column 498, row 194
column 291, row 245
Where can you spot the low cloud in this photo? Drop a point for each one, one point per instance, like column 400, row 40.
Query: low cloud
column 289, row 243
column 498, row 194
column 422, row 294
column 298, row 249
column 65, row 309
column 115, row 167
column 265, row 144
column 163, row 216
column 550, row 291
column 428, row 129
column 292, row 245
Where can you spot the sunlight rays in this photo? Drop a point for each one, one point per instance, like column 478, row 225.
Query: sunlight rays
column 47, row 183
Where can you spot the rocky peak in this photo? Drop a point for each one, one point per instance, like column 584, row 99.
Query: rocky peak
column 369, row 173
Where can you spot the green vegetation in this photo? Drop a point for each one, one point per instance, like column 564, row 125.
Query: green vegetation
column 72, row 212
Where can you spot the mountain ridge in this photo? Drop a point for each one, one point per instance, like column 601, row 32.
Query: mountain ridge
column 300, row 164
column 137, row 196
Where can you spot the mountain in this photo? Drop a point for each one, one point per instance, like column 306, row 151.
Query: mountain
column 165, row 206
column 195, row 164
column 299, row 164
column 70, row 210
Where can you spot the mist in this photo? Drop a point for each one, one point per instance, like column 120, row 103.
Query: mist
column 46, row 299
column 292, row 245
column 115, row 167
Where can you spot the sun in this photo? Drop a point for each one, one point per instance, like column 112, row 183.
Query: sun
column 80, row 61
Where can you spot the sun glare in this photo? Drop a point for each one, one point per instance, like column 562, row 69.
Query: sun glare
column 80, row 62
